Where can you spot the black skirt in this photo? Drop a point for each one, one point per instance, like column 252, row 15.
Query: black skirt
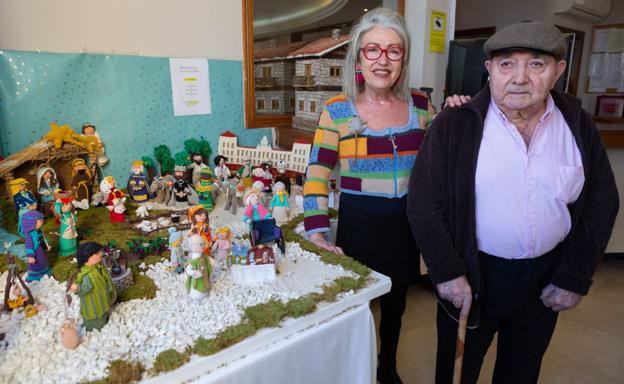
column 375, row 231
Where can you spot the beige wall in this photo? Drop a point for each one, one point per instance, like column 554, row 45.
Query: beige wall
column 167, row 28
column 428, row 69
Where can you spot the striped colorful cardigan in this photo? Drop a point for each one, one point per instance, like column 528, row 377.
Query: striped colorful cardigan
column 379, row 164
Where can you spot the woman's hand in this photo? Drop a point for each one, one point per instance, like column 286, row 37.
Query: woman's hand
column 456, row 100
column 319, row 240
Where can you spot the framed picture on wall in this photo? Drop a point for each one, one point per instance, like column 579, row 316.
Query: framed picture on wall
column 610, row 106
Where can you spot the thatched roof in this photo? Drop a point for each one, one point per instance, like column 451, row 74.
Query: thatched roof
column 41, row 151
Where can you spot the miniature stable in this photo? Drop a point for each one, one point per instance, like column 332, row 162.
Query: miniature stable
column 156, row 284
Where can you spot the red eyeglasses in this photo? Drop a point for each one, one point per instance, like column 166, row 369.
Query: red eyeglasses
column 374, row 52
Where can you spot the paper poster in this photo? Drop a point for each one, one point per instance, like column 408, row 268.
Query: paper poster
column 190, row 87
column 437, row 32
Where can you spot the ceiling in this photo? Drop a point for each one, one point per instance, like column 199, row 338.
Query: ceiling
column 273, row 17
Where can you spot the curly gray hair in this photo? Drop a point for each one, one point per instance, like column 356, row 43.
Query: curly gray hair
column 384, row 18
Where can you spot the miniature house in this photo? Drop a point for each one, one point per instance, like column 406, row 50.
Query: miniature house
column 297, row 78
column 296, row 160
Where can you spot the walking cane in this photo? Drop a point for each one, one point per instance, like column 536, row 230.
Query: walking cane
column 461, row 338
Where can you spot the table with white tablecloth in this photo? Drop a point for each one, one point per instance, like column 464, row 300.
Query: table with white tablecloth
column 335, row 344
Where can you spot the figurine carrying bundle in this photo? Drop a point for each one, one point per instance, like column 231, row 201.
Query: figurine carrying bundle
column 94, row 286
column 116, row 200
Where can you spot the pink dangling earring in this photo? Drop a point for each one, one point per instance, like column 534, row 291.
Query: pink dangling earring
column 359, row 78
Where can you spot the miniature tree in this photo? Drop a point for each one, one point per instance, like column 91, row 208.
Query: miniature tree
column 148, row 163
column 181, row 158
column 163, row 156
column 201, row 147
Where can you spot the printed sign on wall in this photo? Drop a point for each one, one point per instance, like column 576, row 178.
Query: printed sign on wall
column 190, row 87
column 437, row 31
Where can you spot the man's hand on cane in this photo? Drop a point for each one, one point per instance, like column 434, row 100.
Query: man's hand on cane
column 458, row 292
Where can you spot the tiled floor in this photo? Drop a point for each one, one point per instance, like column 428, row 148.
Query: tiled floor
column 587, row 347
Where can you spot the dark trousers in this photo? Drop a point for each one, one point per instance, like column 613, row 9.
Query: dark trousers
column 510, row 306
column 392, row 306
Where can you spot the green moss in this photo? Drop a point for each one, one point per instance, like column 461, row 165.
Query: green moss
column 121, row 372
column 301, row 306
column 206, row 347
column 266, row 314
column 21, row 266
column 8, row 215
column 234, row 334
column 169, row 360
column 143, row 288
column 63, row 269
column 94, row 225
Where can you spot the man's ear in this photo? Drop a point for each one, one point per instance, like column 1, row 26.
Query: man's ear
column 487, row 65
column 561, row 67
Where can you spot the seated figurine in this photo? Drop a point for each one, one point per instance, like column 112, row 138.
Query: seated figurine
column 254, row 210
column 94, row 286
column 47, row 185
column 23, row 199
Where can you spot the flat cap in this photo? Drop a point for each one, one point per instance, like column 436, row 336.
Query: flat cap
column 531, row 35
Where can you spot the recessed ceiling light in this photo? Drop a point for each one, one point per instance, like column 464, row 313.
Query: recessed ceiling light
column 365, row 9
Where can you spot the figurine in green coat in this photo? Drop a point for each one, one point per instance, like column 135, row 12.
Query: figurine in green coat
column 94, row 286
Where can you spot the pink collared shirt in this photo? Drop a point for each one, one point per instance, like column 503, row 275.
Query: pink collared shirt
column 522, row 193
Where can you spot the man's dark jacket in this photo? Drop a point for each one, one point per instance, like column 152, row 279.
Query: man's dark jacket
column 441, row 199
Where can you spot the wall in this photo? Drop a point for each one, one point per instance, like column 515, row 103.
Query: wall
column 125, row 91
column 482, row 13
column 428, row 69
column 189, row 28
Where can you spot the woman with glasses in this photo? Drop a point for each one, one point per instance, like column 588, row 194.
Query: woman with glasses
column 373, row 131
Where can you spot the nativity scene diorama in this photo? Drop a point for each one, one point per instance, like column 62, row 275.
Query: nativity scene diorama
column 201, row 226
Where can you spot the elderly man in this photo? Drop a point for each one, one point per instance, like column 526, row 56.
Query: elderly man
column 512, row 201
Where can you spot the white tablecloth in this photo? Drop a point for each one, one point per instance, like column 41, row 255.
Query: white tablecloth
column 339, row 350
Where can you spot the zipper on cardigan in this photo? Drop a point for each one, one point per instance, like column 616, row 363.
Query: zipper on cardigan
column 392, row 139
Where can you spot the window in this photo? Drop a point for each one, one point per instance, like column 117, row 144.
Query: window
column 300, row 105
column 334, row 71
column 260, row 104
column 274, row 104
column 312, row 106
column 259, row 27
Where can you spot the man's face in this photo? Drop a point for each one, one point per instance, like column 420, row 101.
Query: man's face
column 521, row 80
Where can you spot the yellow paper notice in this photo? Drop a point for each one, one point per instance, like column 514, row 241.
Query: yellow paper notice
column 437, row 31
